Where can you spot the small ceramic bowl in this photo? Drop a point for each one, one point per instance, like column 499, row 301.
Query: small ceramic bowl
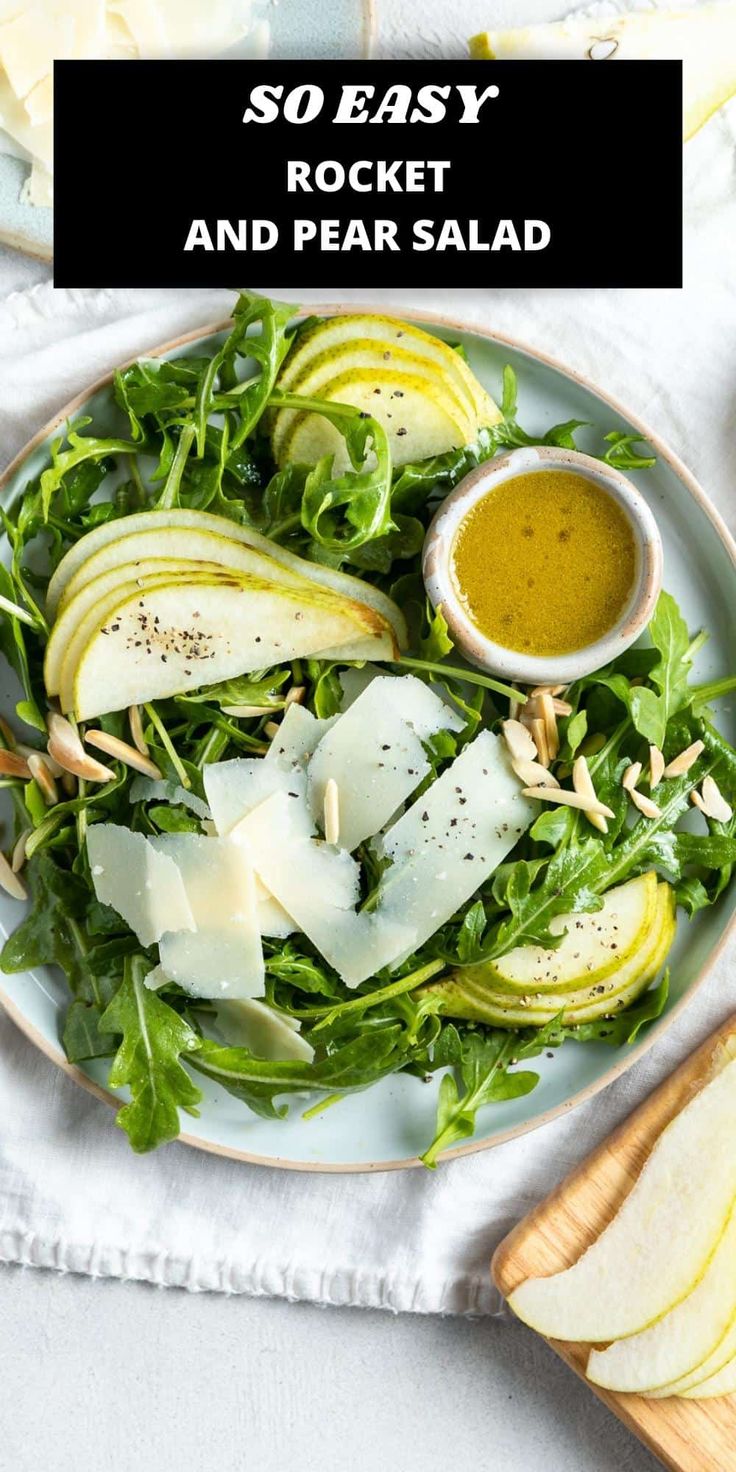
column 510, row 663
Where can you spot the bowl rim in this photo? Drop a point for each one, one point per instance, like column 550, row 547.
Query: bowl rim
column 513, row 664
column 692, row 485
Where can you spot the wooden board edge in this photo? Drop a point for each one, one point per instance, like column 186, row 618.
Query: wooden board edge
column 676, row 1431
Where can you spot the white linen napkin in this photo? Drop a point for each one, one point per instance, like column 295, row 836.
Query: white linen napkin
column 72, row 1195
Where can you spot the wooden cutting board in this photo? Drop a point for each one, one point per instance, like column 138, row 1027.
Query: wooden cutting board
column 687, row 1435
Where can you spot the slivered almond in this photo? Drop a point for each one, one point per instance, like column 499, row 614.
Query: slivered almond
column 714, row 803
column 656, row 766
column 10, row 882
column 69, row 784
column 331, row 811
column 529, row 711
column 547, row 690
column 65, row 748
column 12, row 764
column 644, row 803
column 519, row 741
column 19, row 852
column 697, row 800
column 246, row 712
column 533, row 774
column 271, row 729
column 686, row 759
column 41, row 773
column 561, row 707
column 583, row 783
column 569, row 799
column 631, row 776
column 122, row 751
column 539, row 733
column 8, row 733
column 295, row 695
column 24, row 750
column 547, row 712
column 136, row 729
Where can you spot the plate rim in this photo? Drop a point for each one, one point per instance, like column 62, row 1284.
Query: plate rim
column 692, row 485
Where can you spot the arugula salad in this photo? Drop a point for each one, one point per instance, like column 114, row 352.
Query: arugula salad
column 271, row 826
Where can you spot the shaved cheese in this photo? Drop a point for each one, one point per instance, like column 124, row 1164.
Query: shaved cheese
column 355, row 681
column 273, row 920
column 261, row 1029
column 148, row 789
column 374, row 753
column 143, row 886
column 319, row 886
column 223, row 956
column 299, row 733
column 443, row 848
column 39, row 104
column 36, row 33
column 234, row 788
column 449, row 841
column 38, row 141
column 191, row 27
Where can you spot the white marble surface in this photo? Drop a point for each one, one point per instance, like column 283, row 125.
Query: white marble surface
column 108, row 1374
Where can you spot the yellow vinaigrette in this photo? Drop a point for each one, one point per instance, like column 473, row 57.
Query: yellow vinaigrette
column 545, row 563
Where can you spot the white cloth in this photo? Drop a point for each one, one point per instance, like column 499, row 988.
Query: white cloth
column 72, row 1196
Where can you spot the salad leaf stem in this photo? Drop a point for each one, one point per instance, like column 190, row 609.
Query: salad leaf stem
column 453, row 672
column 170, row 494
column 168, row 746
column 373, row 999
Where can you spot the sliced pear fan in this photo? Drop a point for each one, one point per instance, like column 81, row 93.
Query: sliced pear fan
column 152, row 522
column 658, row 1247
column 374, row 355
column 683, row 1339
column 573, row 1008
column 594, row 945
column 337, row 332
column 419, row 418
column 176, row 636
column 103, row 592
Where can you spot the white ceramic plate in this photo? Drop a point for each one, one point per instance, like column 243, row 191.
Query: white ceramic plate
column 386, row 1127
column 337, row 30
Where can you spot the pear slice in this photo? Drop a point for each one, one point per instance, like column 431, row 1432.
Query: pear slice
column 702, row 37
column 658, row 1247
column 593, row 946
column 372, row 353
column 353, row 588
column 335, row 332
column 167, row 639
column 412, row 410
column 722, row 1383
column 721, row 1362
column 185, row 544
column 464, row 996
column 94, row 617
column 681, row 1340
column 103, row 592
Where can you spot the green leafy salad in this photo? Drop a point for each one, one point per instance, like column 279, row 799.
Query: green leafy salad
column 273, row 829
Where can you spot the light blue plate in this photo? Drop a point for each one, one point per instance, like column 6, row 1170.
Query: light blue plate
column 388, row 1125
column 338, row 30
